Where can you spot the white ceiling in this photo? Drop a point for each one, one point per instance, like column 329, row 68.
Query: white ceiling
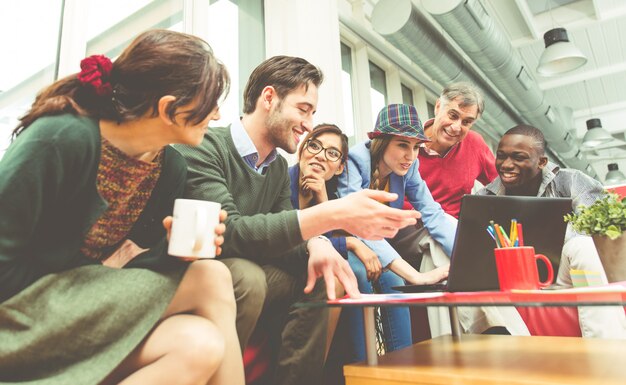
column 597, row 89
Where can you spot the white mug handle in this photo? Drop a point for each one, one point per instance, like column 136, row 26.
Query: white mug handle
column 200, row 228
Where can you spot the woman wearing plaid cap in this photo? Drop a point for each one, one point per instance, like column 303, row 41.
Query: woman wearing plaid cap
column 388, row 162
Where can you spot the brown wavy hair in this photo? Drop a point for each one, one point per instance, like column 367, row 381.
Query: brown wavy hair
column 155, row 64
column 378, row 145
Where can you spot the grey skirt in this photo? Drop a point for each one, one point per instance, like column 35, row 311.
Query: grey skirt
column 77, row 326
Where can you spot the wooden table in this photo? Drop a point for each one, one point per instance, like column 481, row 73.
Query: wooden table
column 493, row 359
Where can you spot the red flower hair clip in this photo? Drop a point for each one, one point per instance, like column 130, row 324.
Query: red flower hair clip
column 95, row 71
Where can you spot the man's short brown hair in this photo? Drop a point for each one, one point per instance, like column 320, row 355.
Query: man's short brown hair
column 284, row 73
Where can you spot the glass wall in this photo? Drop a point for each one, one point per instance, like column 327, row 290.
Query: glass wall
column 431, row 110
column 378, row 90
column 407, row 95
column 30, row 35
column 33, row 58
column 235, row 31
column 113, row 24
column 103, row 16
column 346, row 83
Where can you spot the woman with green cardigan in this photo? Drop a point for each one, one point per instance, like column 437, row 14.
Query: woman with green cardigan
column 88, row 294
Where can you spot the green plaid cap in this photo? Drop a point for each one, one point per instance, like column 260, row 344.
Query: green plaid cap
column 399, row 120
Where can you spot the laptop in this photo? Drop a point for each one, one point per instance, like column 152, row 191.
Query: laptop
column 473, row 265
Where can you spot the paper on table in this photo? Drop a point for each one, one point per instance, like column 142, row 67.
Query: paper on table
column 376, row 298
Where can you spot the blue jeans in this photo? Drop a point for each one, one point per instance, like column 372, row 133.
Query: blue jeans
column 396, row 321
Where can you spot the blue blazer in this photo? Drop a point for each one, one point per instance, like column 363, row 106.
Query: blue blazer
column 356, row 177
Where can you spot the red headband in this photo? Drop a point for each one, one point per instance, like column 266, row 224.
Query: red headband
column 95, row 71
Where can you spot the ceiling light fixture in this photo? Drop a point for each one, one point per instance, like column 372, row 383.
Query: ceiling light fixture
column 595, row 135
column 614, row 176
column 560, row 55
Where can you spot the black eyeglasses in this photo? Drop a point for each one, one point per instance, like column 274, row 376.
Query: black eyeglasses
column 315, row 147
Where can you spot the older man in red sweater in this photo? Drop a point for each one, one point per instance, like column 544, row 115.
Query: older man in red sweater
column 455, row 157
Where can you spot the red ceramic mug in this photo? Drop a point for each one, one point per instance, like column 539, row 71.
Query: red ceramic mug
column 517, row 268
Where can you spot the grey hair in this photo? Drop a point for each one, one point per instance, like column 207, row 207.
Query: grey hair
column 539, row 140
column 469, row 94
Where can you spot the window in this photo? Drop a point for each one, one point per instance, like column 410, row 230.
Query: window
column 104, row 15
column 431, row 110
column 407, row 95
column 106, row 20
column 346, row 84
column 235, row 30
column 107, row 27
column 377, row 80
column 378, row 90
column 30, row 31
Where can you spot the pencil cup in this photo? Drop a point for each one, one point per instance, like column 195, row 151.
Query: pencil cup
column 517, row 268
column 193, row 228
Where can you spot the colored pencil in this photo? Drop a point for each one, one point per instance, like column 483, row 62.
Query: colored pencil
column 506, row 238
column 499, row 233
column 520, row 235
column 513, row 233
column 492, row 234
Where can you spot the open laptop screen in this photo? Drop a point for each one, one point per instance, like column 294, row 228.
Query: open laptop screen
column 472, row 266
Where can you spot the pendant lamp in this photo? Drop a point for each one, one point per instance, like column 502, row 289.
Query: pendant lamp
column 595, row 135
column 560, row 55
column 614, row 176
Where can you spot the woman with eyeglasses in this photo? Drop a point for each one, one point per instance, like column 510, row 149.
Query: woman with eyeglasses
column 321, row 160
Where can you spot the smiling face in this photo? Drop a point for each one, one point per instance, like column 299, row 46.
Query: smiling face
column 290, row 117
column 451, row 125
column 318, row 163
column 399, row 155
column 518, row 160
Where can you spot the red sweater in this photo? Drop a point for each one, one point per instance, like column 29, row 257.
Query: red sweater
column 451, row 177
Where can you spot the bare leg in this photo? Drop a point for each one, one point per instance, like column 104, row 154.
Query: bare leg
column 205, row 295
column 183, row 349
column 206, row 290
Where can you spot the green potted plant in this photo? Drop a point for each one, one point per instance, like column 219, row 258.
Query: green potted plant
column 605, row 221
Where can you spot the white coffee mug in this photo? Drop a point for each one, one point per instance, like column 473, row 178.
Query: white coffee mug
column 193, row 228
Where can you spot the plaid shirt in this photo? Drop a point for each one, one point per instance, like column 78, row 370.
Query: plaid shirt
column 559, row 183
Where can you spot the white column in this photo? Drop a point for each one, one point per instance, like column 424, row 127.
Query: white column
column 309, row 29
